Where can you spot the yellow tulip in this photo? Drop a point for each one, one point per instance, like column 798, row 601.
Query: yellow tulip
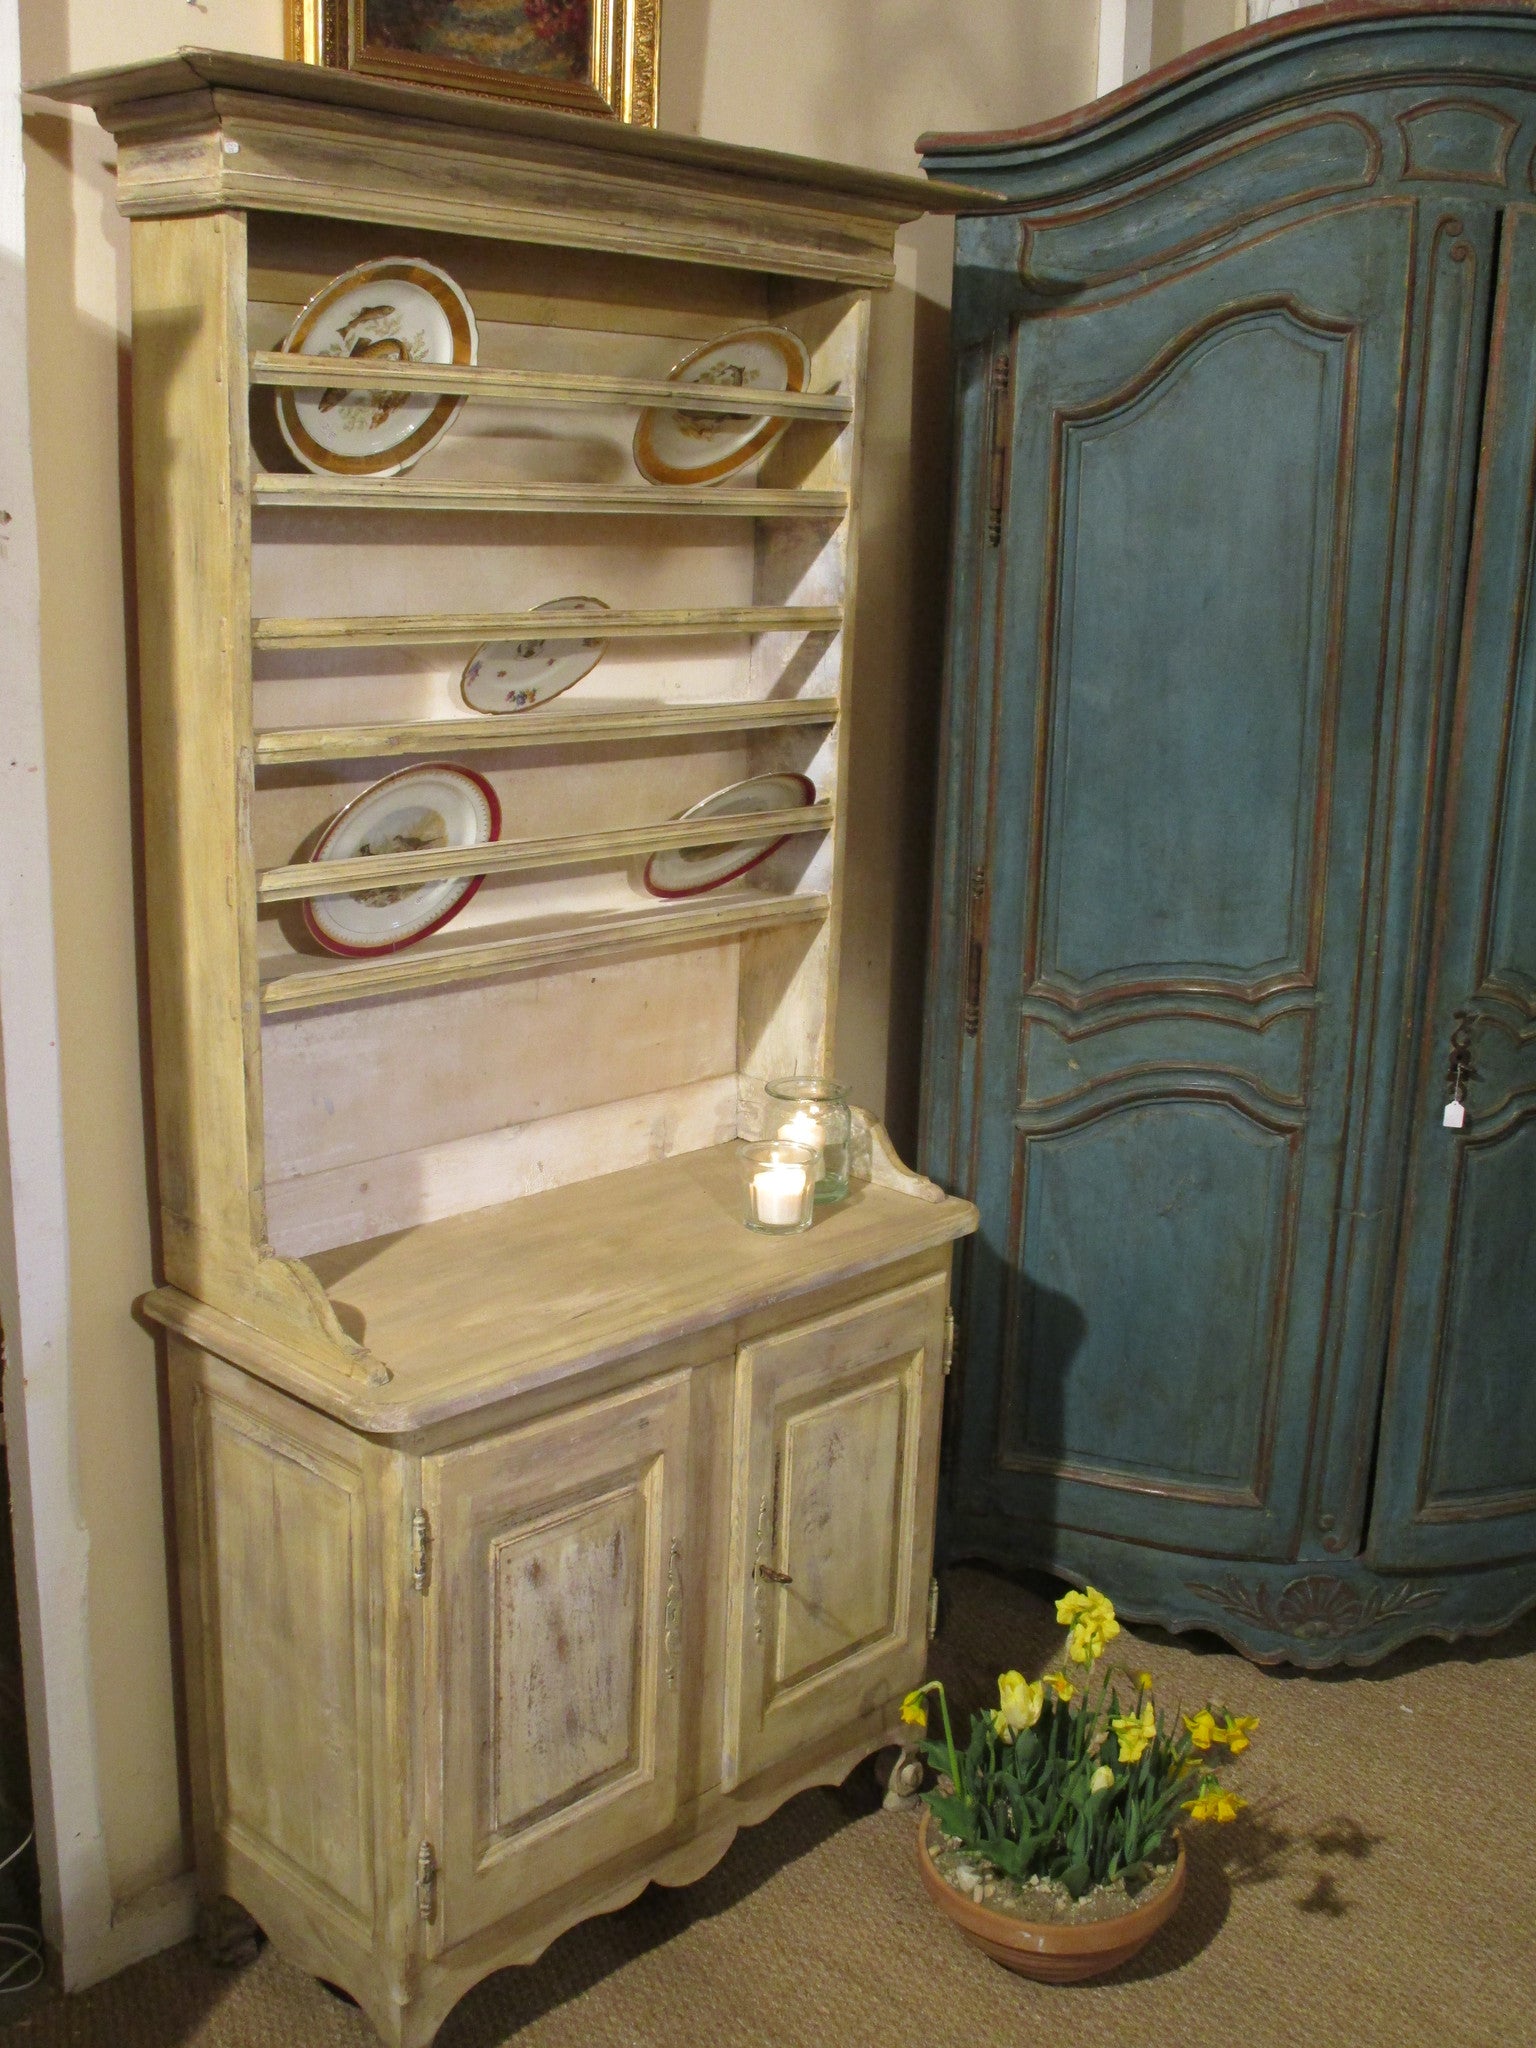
column 1102, row 1779
column 1020, row 1705
column 913, row 1711
column 1134, row 1732
column 1203, row 1730
column 1235, row 1734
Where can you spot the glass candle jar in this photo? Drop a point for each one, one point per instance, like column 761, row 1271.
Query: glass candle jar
column 808, row 1109
column 778, row 1186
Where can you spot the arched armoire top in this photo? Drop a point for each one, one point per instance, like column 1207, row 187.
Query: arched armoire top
column 1340, row 50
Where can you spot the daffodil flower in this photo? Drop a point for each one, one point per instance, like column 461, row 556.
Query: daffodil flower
column 1135, row 1732
column 1235, row 1733
column 1060, row 1684
column 1203, row 1730
column 1144, row 1681
column 915, row 1715
column 1212, row 1803
column 1102, row 1779
column 1091, row 1619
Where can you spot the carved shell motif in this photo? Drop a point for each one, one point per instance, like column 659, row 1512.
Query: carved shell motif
column 1317, row 1608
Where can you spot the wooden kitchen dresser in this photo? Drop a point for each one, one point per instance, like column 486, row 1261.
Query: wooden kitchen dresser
column 538, row 1524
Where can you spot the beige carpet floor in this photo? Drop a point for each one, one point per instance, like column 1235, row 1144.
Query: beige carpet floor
column 1381, row 1888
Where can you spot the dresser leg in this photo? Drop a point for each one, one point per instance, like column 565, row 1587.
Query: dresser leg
column 906, row 1781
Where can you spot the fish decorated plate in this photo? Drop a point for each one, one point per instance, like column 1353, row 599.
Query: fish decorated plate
column 695, row 870
column 396, row 310
column 705, row 447
column 516, row 675
column 414, row 810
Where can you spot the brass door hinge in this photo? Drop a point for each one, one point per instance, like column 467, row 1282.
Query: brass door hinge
column 949, row 1341
column 998, row 436
column 421, row 1551
column 933, row 1609
column 976, row 949
column 426, row 1881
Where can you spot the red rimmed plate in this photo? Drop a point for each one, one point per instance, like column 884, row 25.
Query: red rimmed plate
column 433, row 804
column 695, row 870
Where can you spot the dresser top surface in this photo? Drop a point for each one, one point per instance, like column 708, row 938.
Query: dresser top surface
column 503, row 1302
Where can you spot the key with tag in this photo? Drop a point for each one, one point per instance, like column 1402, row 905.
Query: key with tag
column 1458, row 1072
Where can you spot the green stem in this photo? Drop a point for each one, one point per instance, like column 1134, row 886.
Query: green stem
column 937, row 1685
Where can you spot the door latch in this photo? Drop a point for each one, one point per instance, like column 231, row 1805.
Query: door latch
column 997, row 456
column 976, row 950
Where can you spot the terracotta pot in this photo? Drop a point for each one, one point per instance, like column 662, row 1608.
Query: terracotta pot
column 1056, row 1954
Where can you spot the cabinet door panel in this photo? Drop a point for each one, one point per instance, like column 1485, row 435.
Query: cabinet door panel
column 832, row 1528
column 562, row 1552
column 1457, row 1466
column 1184, row 680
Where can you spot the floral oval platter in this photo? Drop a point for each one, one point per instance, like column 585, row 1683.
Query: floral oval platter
column 694, row 870
column 396, row 310
column 515, row 675
column 415, row 809
column 704, row 447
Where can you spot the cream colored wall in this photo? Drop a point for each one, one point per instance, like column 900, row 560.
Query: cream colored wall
column 1179, row 25
column 859, row 80
column 78, row 279
column 855, row 79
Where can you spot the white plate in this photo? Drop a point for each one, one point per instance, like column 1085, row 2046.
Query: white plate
column 704, row 447
column 396, row 310
column 514, row 675
column 694, row 870
column 436, row 804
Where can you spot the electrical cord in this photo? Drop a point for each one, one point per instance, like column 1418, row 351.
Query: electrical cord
column 22, row 1943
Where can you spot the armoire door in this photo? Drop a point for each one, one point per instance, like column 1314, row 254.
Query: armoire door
column 1456, row 1478
column 558, row 1570
column 1185, row 640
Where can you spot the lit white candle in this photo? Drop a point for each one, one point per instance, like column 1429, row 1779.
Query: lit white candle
column 778, row 1193
column 804, row 1129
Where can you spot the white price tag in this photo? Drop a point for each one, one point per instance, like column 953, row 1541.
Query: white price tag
column 1455, row 1115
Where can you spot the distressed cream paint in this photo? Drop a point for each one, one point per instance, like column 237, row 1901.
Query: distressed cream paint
column 850, row 79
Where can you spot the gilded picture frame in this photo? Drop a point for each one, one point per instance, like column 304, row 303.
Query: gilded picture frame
column 579, row 56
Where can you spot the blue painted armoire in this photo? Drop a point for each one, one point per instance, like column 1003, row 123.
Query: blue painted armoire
column 1232, row 1012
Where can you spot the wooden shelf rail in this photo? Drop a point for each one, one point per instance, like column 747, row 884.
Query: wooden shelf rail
column 539, row 387
column 311, row 878
column 606, row 935
column 451, row 629
column 650, row 501
column 544, row 727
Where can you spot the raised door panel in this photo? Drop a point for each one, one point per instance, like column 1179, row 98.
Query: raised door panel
column 1185, row 677
column 837, row 1426
column 1456, row 1480
column 556, row 1638
column 286, row 1588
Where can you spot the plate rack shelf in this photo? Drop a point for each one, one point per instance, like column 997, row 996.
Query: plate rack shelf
column 481, row 1392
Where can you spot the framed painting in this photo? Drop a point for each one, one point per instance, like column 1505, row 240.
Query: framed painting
column 582, row 56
